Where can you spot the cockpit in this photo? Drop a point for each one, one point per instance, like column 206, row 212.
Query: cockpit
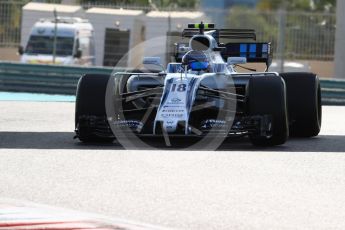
column 195, row 61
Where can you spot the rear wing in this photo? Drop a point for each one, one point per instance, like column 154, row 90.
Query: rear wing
column 259, row 52
column 223, row 33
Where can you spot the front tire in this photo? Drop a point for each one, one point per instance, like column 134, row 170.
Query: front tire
column 267, row 96
column 90, row 101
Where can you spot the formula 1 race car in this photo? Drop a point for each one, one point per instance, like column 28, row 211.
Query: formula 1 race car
column 201, row 94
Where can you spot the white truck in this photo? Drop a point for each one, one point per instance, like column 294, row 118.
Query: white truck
column 71, row 44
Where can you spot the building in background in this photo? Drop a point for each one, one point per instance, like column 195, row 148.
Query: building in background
column 217, row 11
column 116, row 32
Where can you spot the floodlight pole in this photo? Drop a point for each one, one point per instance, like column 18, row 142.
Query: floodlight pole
column 169, row 23
column 281, row 39
column 55, row 35
column 340, row 41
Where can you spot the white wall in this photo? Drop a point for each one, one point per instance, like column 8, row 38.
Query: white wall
column 101, row 21
column 340, row 41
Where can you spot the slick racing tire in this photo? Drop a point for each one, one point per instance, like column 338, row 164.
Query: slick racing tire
column 267, row 96
column 90, row 101
column 304, row 103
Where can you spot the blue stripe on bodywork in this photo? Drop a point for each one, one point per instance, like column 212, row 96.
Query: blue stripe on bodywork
column 265, row 48
column 166, row 90
column 190, row 92
column 252, row 50
column 243, row 50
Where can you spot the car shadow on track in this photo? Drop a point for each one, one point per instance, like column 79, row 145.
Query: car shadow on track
column 64, row 140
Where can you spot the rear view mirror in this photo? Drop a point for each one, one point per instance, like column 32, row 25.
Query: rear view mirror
column 236, row 60
column 20, row 50
column 156, row 61
column 152, row 61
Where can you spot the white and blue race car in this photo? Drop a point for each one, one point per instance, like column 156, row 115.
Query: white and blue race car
column 201, row 95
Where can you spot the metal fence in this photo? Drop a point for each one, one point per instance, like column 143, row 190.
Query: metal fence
column 294, row 35
column 10, row 22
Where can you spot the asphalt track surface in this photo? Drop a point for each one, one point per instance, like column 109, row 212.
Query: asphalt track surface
column 299, row 185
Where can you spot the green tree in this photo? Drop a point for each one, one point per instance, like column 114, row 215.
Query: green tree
column 263, row 22
column 303, row 5
column 179, row 3
column 322, row 5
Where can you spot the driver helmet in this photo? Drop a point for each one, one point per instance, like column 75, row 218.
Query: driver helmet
column 195, row 60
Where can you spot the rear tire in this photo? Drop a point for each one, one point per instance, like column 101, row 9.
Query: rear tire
column 266, row 96
column 304, row 103
column 90, row 101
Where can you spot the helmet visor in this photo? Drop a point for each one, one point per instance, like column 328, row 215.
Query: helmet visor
column 198, row 65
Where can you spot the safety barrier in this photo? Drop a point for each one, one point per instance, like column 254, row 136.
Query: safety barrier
column 333, row 91
column 54, row 79
column 38, row 78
